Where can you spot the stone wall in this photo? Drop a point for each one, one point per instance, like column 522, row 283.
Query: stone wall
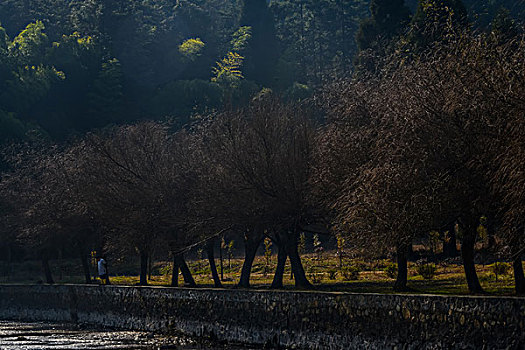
column 310, row 320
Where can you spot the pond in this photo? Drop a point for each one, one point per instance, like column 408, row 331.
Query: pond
column 47, row 336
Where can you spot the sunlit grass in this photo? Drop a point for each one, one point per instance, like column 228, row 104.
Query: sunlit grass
column 449, row 279
column 324, row 273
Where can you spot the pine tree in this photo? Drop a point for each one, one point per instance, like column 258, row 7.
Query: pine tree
column 434, row 19
column 388, row 18
column 106, row 97
column 262, row 53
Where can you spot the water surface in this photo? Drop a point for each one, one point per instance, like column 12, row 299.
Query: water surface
column 52, row 336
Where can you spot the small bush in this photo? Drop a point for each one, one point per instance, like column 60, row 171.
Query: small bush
column 391, row 270
column 316, row 278
column 350, row 273
column 332, row 274
column 427, row 271
column 314, row 275
column 500, row 269
column 165, row 270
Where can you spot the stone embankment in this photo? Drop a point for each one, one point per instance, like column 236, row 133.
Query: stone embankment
column 309, row 320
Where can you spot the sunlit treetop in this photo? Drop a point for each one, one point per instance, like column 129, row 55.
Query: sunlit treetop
column 192, row 48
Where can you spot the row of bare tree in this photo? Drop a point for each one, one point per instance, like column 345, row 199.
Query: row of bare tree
column 141, row 187
column 423, row 144
column 428, row 143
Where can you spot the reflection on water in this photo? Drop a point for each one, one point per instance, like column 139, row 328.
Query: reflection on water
column 43, row 336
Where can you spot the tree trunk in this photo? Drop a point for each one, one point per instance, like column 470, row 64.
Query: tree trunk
column 519, row 278
column 47, row 269
column 402, row 270
column 410, row 253
column 210, row 250
column 9, row 259
column 175, row 272
column 85, row 266
column 221, row 261
column 450, row 248
column 251, row 244
column 143, row 268
column 467, row 253
column 295, row 261
column 491, row 229
column 186, row 273
column 277, row 282
column 150, row 265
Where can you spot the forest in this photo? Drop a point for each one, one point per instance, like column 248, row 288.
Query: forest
column 133, row 126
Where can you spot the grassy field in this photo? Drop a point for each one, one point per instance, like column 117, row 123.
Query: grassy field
column 356, row 275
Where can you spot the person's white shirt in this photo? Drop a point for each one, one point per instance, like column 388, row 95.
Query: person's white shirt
column 102, row 267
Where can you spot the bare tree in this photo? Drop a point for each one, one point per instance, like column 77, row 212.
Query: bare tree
column 386, row 191
column 429, row 131
column 263, row 153
column 508, row 177
column 45, row 209
column 136, row 184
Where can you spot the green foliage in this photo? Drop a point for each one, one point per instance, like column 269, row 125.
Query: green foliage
column 241, row 39
column 30, row 45
column 230, row 248
column 340, row 248
column 242, row 93
column 262, row 52
column 29, row 85
column 388, row 18
column 288, row 46
column 431, row 12
column 74, row 51
column 332, row 274
column 500, row 269
column 434, row 20
column 10, row 127
column 426, row 270
column 314, row 275
column 317, row 39
column 106, row 96
column 227, row 71
column 191, row 49
column 298, row 92
column 434, row 240
column 184, row 98
column 350, row 273
column 4, row 41
column 391, row 270
column 482, row 231
column 301, row 246
column 267, row 255
column 166, row 270
column 318, row 247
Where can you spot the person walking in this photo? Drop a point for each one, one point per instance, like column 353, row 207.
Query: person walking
column 103, row 271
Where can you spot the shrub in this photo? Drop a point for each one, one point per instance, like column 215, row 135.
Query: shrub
column 391, row 270
column 267, row 255
column 165, row 270
column 332, row 273
column 427, row 271
column 315, row 276
column 318, row 248
column 350, row 273
column 500, row 269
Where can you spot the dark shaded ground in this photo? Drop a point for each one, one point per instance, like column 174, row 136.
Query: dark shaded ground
column 44, row 336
